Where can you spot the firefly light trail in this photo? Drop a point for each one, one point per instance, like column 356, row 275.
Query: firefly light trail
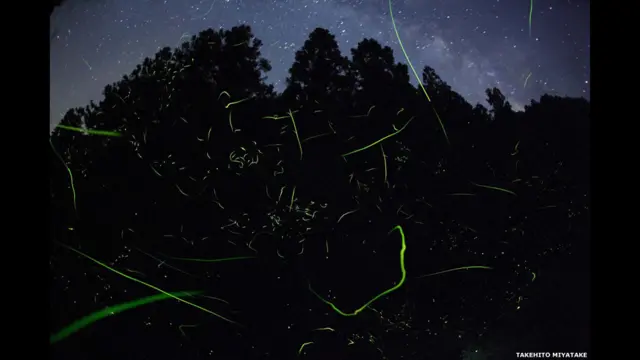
column 303, row 346
column 112, row 310
column 295, row 131
column 384, row 161
column 73, row 188
column 495, row 188
column 530, row 14
column 90, row 131
column 456, row 269
column 293, row 194
column 146, row 284
column 163, row 262
column 378, row 141
column 444, row 131
column 384, row 293
column 84, row 131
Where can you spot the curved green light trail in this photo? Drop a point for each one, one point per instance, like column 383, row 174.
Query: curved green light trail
column 456, row 269
column 384, row 293
column 112, row 310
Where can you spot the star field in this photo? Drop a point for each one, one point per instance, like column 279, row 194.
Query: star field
column 472, row 45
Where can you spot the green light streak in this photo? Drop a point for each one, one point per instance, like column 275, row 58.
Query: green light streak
column 224, row 93
column 146, row 284
column 293, row 195
column 384, row 293
column 231, row 122
column 378, row 141
column 237, row 101
column 530, row 14
column 416, row 74
column 278, row 117
column 112, row 310
column 495, row 188
column 89, row 131
column 73, row 188
column 317, row 136
column 456, row 269
column 303, row 346
column 384, row 161
column 324, row 329
column 515, row 149
column 295, row 131
column 155, row 171
column 363, row 116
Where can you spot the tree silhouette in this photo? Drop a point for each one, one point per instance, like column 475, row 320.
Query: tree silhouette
column 54, row 4
column 211, row 162
column 319, row 71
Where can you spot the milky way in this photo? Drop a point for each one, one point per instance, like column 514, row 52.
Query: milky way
column 472, row 44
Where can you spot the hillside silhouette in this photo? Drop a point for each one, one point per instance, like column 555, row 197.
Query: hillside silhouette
column 209, row 162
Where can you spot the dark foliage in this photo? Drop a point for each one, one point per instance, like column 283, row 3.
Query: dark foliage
column 54, row 4
column 209, row 166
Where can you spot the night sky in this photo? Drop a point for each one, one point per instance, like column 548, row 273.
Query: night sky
column 472, row 45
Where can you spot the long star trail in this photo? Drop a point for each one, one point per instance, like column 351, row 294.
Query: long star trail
column 112, row 310
column 146, row 284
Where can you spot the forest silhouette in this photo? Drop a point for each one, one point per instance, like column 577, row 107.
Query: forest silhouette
column 209, row 161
